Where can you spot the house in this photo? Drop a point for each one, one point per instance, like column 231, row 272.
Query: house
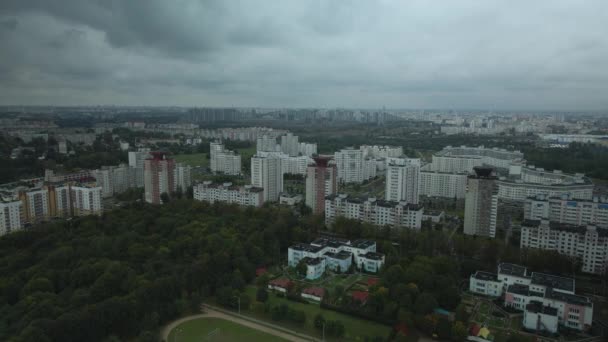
column 280, row 284
column 260, row 271
column 360, row 296
column 313, row 293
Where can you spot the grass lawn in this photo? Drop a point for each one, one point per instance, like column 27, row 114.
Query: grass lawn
column 198, row 330
column 246, row 153
column 356, row 329
column 195, row 159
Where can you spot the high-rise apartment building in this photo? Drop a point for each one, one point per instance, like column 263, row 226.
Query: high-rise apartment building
column 442, row 184
column 587, row 243
column 35, row 205
column 267, row 143
column 159, row 176
column 183, row 179
column 290, row 144
column 320, row 182
column 352, row 167
column 567, row 210
column 10, row 216
column 86, row 200
column 481, row 203
column 136, row 164
column 223, row 160
column 266, row 173
column 402, row 178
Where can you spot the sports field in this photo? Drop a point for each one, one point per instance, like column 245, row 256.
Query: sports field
column 217, row 330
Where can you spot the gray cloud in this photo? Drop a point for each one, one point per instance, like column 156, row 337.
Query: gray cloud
column 461, row 54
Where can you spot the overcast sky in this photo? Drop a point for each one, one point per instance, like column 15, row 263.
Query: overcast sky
column 479, row 54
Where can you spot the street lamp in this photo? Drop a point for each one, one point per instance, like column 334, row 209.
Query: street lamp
column 323, row 332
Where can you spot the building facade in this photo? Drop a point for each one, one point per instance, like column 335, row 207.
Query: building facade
column 228, row 193
column 567, row 210
column 266, row 173
column 587, row 243
column 159, row 177
column 10, row 216
column 402, row 180
column 335, row 254
column 376, row 212
column 442, row 184
column 481, row 203
column 86, row 200
column 223, row 161
column 321, row 181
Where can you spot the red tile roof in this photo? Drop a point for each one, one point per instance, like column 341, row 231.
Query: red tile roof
column 372, row 281
column 261, row 270
column 360, row 296
column 281, row 282
column 315, row 291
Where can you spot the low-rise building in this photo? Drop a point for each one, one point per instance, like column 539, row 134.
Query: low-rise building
column 313, row 293
column 280, row 284
column 337, row 254
column 290, row 199
column 546, row 300
column 540, row 318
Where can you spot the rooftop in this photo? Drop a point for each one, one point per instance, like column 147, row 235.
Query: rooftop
column 343, row 255
column 538, row 307
column 312, row 261
column 512, row 269
column 568, row 298
column 481, row 275
column 361, row 243
column 373, row 256
column 556, row 282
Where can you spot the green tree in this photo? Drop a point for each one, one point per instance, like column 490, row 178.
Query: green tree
column 459, row 331
column 261, row 295
column 425, row 304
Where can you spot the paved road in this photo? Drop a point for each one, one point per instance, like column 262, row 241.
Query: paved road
column 209, row 312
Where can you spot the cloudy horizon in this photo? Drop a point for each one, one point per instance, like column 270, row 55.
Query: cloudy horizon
column 494, row 55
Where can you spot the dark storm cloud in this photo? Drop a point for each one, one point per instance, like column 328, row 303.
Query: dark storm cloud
column 460, row 54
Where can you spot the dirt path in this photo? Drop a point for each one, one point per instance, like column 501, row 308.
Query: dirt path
column 209, row 312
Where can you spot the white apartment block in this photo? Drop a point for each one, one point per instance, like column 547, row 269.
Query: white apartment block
column 61, row 201
column 86, row 200
column 548, row 301
column 223, row 160
column 588, row 243
column 290, row 145
column 402, row 180
column 183, row 178
column 386, row 151
column 376, row 212
column 112, row 179
column 337, row 255
column 267, row 173
column 566, row 210
column 352, row 167
column 442, row 184
column 136, row 163
column 267, row 143
column 227, row 193
column 516, row 190
column 464, row 159
column 295, row 165
column 307, row 149
column 10, row 216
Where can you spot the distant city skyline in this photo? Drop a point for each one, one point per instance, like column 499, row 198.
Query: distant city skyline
column 461, row 55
